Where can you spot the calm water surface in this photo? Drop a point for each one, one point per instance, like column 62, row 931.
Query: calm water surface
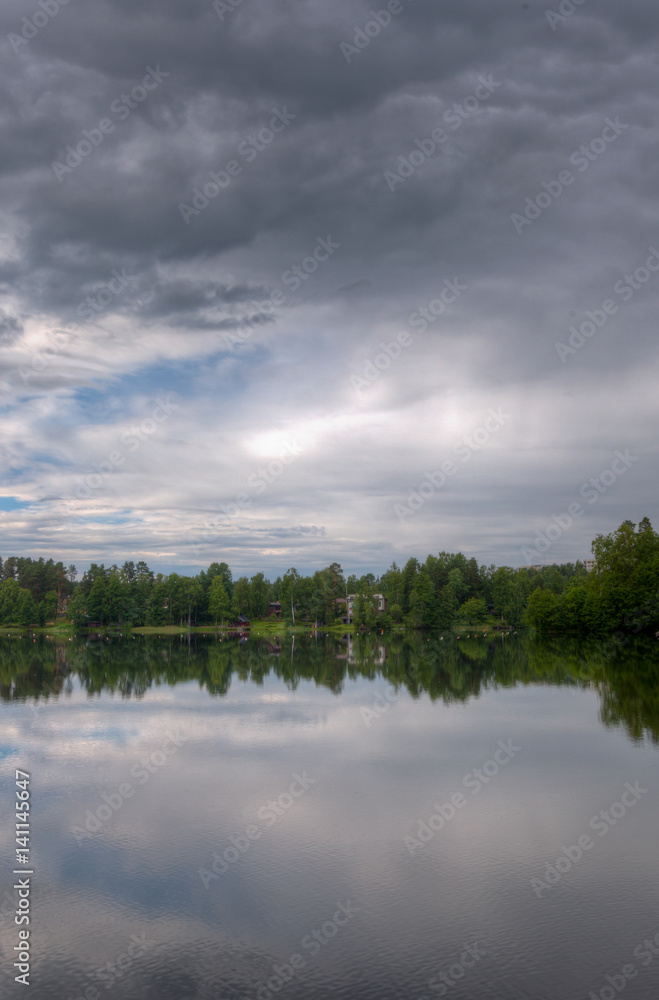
column 385, row 818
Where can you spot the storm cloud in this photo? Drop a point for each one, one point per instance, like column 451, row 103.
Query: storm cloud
column 324, row 242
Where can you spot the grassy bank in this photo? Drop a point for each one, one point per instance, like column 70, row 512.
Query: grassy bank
column 257, row 629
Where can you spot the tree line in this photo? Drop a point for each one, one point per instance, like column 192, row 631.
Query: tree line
column 621, row 595
column 449, row 588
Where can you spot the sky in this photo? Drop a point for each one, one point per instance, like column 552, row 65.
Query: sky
column 289, row 282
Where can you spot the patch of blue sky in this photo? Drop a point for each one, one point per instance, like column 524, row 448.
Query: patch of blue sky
column 178, row 376
column 96, row 408
column 99, row 519
column 112, row 734
column 11, row 503
column 117, row 404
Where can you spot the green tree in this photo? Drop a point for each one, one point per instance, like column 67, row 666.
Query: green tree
column 318, row 597
column 392, row 587
column 473, row 610
column 259, row 596
column 10, row 568
column 157, row 609
column 9, row 597
column 139, row 593
column 456, row 578
column 96, row 608
column 336, row 580
column 626, row 580
column 570, row 613
column 553, row 580
column 326, row 586
column 77, row 608
column 507, row 595
column 410, row 571
column 192, row 595
column 26, row 613
column 127, row 572
column 291, row 577
column 540, row 611
column 363, row 609
column 423, row 602
column 240, row 604
column 447, row 603
column 94, row 573
column 219, row 602
column 217, row 569
column 47, row 609
column 116, row 598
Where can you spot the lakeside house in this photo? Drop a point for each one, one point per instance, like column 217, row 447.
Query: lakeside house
column 377, row 658
column 348, row 602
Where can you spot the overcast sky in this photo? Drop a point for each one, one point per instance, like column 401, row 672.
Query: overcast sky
column 213, row 216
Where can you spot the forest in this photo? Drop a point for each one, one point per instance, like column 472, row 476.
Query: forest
column 620, row 594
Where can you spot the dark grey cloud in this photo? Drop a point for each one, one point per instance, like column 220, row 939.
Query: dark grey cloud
column 10, row 328
column 204, row 157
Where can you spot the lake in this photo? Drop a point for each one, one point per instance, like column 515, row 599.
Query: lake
column 400, row 816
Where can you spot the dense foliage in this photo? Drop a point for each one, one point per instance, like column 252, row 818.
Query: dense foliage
column 33, row 590
column 621, row 594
